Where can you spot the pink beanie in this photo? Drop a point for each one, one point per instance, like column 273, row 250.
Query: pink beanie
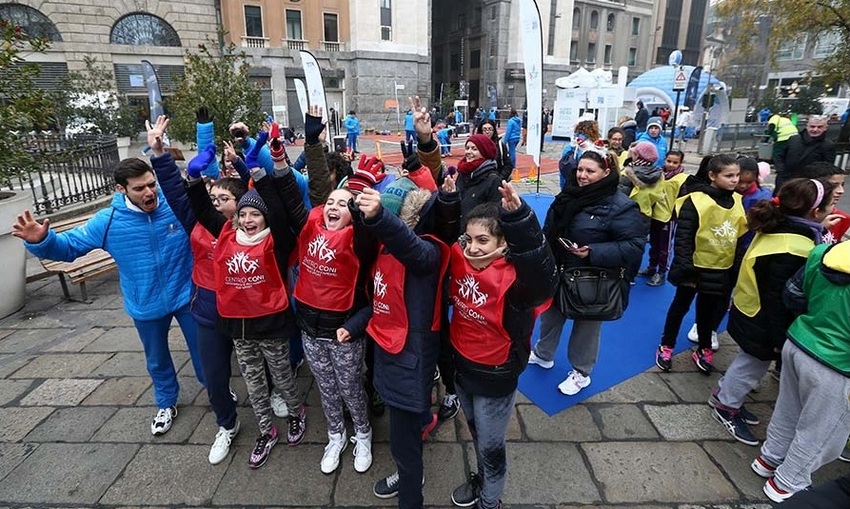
column 644, row 151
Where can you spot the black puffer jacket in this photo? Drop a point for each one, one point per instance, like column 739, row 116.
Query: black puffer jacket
column 682, row 270
column 759, row 335
column 480, row 186
column 802, row 150
column 536, row 278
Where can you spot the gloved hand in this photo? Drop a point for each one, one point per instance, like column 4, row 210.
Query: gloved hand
column 199, row 163
column 373, row 165
column 354, row 210
column 276, row 147
column 251, row 157
column 411, row 157
column 202, row 115
column 313, row 127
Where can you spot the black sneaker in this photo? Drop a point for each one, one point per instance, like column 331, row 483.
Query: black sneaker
column 735, row 425
column 388, row 486
column 449, row 407
column 749, row 417
column 466, row 495
column 703, row 358
column 657, row 279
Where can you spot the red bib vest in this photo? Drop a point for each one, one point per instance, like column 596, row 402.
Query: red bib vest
column 248, row 281
column 389, row 324
column 203, row 245
column 329, row 266
column 478, row 297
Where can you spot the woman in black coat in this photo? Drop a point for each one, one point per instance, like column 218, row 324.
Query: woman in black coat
column 589, row 224
column 503, row 157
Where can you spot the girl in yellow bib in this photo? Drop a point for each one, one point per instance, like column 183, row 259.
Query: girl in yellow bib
column 710, row 221
column 786, row 228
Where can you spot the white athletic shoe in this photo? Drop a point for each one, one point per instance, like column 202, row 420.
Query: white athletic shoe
column 534, row 359
column 221, row 447
column 574, row 383
column 279, row 406
column 337, row 442
column 362, row 451
column 693, row 337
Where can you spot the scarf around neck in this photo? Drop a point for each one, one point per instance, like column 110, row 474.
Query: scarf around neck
column 467, row 167
column 484, row 261
column 572, row 200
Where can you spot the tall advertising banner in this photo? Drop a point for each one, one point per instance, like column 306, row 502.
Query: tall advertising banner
column 301, row 92
column 315, row 85
column 532, row 49
column 693, row 88
column 154, row 94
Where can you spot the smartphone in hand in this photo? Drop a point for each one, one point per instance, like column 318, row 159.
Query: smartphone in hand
column 567, row 243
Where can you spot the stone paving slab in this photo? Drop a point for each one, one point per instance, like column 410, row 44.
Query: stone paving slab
column 167, row 475
column 13, row 389
column 61, row 392
column 71, row 424
column 735, row 458
column 539, row 473
column 623, row 422
column 46, row 476
column 657, row 472
column 646, row 387
column 133, row 425
column 23, row 340
column 62, row 366
column 12, row 454
column 118, row 391
column 574, row 425
column 686, row 422
column 118, row 339
column 11, row 363
column 77, row 341
column 689, row 387
column 16, row 422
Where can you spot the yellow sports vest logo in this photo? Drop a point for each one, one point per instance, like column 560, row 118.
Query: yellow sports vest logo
column 718, row 231
column 746, row 297
column 662, row 210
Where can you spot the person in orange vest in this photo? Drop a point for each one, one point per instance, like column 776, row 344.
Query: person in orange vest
column 501, row 270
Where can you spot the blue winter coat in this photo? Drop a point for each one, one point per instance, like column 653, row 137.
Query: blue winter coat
column 660, row 145
column 513, row 132
column 204, row 135
column 408, row 121
column 151, row 251
column 352, row 125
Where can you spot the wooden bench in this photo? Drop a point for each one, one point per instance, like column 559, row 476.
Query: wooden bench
column 90, row 265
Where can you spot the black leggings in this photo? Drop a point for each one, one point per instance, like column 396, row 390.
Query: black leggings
column 707, row 306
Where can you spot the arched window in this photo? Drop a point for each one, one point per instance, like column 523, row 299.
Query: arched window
column 34, row 23
column 611, row 22
column 594, row 20
column 576, row 18
column 142, row 29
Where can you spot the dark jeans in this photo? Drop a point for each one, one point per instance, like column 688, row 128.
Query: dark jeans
column 216, row 349
column 406, row 450
column 446, row 361
column 659, row 245
column 706, row 314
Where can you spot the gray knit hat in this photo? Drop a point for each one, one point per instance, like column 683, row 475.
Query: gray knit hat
column 252, row 199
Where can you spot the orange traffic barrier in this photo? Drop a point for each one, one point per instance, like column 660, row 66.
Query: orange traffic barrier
column 533, row 173
column 515, row 175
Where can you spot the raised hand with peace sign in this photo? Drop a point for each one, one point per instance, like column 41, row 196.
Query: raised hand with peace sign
column 421, row 119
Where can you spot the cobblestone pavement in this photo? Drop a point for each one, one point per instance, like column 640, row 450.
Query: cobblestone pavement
column 76, row 402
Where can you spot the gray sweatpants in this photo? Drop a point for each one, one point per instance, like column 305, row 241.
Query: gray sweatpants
column 583, row 349
column 744, row 375
column 337, row 369
column 811, row 421
column 250, row 353
column 488, row 419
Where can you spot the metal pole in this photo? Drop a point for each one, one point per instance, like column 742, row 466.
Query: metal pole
column 675, row 117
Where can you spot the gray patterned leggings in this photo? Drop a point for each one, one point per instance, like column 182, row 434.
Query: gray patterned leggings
column 251, row 353
column 337, row 369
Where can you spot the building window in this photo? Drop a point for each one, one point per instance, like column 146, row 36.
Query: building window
column 611, row 22
column 32, row 21
column 293, row 25
column 607, row 57
column 454, row 62
column 594, row 20
column 574, row 51
column 826, row 44
column 632, row 57
column 253, row 21
column 635, row 26
column 792, row 49
column 576, row 18
column 591, row 52
column 475, row 59
column 493, row 13
column 141, row 29
column 331, row 27
column 386, row 20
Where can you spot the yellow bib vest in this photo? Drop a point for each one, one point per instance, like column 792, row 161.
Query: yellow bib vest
column 784, row 127
column 647, row 197
column 746, row 290
column 718, row 231
column 663, row 209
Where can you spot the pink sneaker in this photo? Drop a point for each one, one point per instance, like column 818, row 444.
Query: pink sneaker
column 263, row 448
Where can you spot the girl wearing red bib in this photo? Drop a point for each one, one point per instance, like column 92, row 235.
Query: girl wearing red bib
column 249, row 260
column 500, row 272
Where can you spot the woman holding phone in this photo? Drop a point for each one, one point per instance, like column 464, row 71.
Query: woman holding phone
column 588, row 224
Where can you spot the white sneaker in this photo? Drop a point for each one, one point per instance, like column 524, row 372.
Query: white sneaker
column 693, row 337
column 574, row 383
column 279, row 406
column 337, row 442
column 221, row 447
column 534, row 359
column 161, row 422
column 362, row 451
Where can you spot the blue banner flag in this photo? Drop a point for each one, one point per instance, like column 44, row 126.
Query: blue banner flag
column 693, row 88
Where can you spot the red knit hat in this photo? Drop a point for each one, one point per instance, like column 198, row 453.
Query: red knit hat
column 360, row 181
column 485, row 145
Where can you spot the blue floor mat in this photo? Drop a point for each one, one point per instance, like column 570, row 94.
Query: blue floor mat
column 627, row 347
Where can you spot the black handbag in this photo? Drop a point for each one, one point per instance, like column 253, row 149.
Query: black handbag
column 593, row 293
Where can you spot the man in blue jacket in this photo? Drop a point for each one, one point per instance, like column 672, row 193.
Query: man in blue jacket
column 513, row 133
column 352, row 127
column 151, row 250
column 409, row 131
